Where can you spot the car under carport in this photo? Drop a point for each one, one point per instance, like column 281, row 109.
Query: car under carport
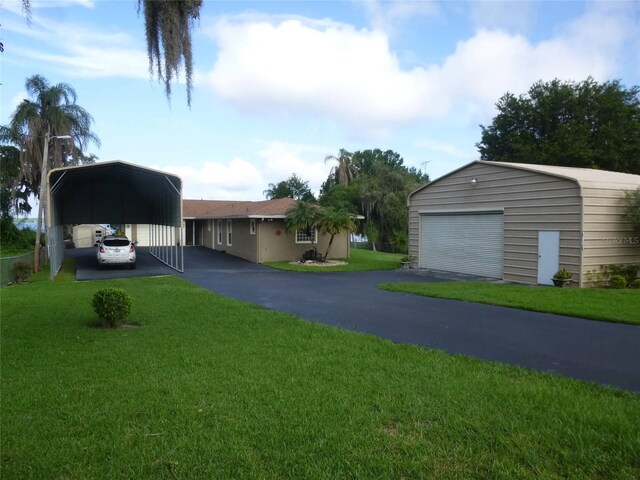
column 115, row 192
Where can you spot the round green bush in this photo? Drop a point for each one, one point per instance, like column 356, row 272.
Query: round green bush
column 21, row 272
column 635, row 283
column 618, row 281
column 112, row 305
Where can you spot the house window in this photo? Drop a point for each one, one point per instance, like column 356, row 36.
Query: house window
column 252, row 227
column 228, row 233
column 309, row 235
column 219, row 232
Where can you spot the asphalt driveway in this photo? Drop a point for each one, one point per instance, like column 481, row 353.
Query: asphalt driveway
column 601, row 352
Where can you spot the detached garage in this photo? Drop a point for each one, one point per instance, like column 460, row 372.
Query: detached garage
column 522, row 222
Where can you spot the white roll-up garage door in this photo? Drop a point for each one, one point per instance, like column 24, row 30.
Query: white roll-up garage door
column 470, row 243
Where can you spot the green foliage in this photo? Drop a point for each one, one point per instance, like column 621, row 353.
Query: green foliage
column 21, row 272
column 374, row 184
column 14, row 238
column 112, row 305
column 629, row 271
column 14, row 191
column 563, row 274
column 333, row 221
column 293, row 187
column 585, row 124
column 632, row 209
column 617, row 281
column 602, row 276
column 635, row 283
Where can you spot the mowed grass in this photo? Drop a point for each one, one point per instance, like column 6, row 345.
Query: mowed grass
column 209, row 387
column 361, row 260
column 610, row 305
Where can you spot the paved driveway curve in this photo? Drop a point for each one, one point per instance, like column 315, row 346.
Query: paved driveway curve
column 606, row 353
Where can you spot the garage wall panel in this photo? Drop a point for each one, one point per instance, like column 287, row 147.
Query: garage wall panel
column 531, row 201
column 464, row 243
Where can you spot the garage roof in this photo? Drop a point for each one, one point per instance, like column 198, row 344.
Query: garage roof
column 584, row 177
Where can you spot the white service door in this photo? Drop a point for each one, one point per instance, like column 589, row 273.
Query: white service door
column 469, row 243
column 548, row 256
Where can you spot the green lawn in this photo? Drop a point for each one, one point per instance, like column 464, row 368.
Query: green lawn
column 213, row 388
column 361, row 260
column 610, row 305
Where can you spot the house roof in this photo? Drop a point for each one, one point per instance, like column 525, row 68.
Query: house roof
column 584, row 177
column 276, row 208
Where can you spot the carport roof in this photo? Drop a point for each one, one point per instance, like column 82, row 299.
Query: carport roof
column 114, row 192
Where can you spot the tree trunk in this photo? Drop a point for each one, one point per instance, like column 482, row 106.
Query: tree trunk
column 326, row 255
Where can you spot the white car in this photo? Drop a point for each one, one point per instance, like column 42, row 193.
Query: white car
column 114, row 250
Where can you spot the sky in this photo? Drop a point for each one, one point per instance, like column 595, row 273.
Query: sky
column 279, row 85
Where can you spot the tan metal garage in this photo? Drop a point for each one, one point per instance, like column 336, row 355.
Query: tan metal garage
column 522, row 222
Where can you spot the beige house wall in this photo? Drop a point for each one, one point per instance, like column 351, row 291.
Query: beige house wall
column 608, row 239
column 531, row 202
column 139, row 233
column 243, row 244
column 276, row 244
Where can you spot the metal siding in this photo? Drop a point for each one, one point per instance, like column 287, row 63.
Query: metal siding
column 463, row 243
column 531, row 201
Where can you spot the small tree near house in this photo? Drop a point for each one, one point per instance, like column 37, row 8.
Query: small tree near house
column 307, row 216
column 333, row 221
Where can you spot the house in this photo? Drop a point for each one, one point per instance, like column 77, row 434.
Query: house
column 521, row 222
column 254, row 231
column 88, row 234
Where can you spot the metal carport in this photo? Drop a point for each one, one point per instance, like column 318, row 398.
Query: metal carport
column 120, row 193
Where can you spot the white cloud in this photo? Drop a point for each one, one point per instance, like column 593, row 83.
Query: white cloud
column 353, row 76
column 80, row 50
column 237, row 180
column 281, row 160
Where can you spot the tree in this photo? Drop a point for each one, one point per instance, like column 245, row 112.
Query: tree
column 14, row 196
column 168, row 25
column 303, row 216
column 333, row 221
column 586, row 124
column 168, row 30
column 53, row 112
column 632, row 209
column 379, row 192
column 345, row 169
column 293, row 187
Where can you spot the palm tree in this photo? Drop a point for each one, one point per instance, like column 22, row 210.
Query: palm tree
column 333, row 221
column 345, row 169
column 303, row 216
column 53, row 112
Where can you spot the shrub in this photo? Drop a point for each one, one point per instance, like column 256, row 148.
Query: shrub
column 618, row 281
column 21, row 272
column 112, row 305
column 635, row 283
column 629, row 272
column 563, row 274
